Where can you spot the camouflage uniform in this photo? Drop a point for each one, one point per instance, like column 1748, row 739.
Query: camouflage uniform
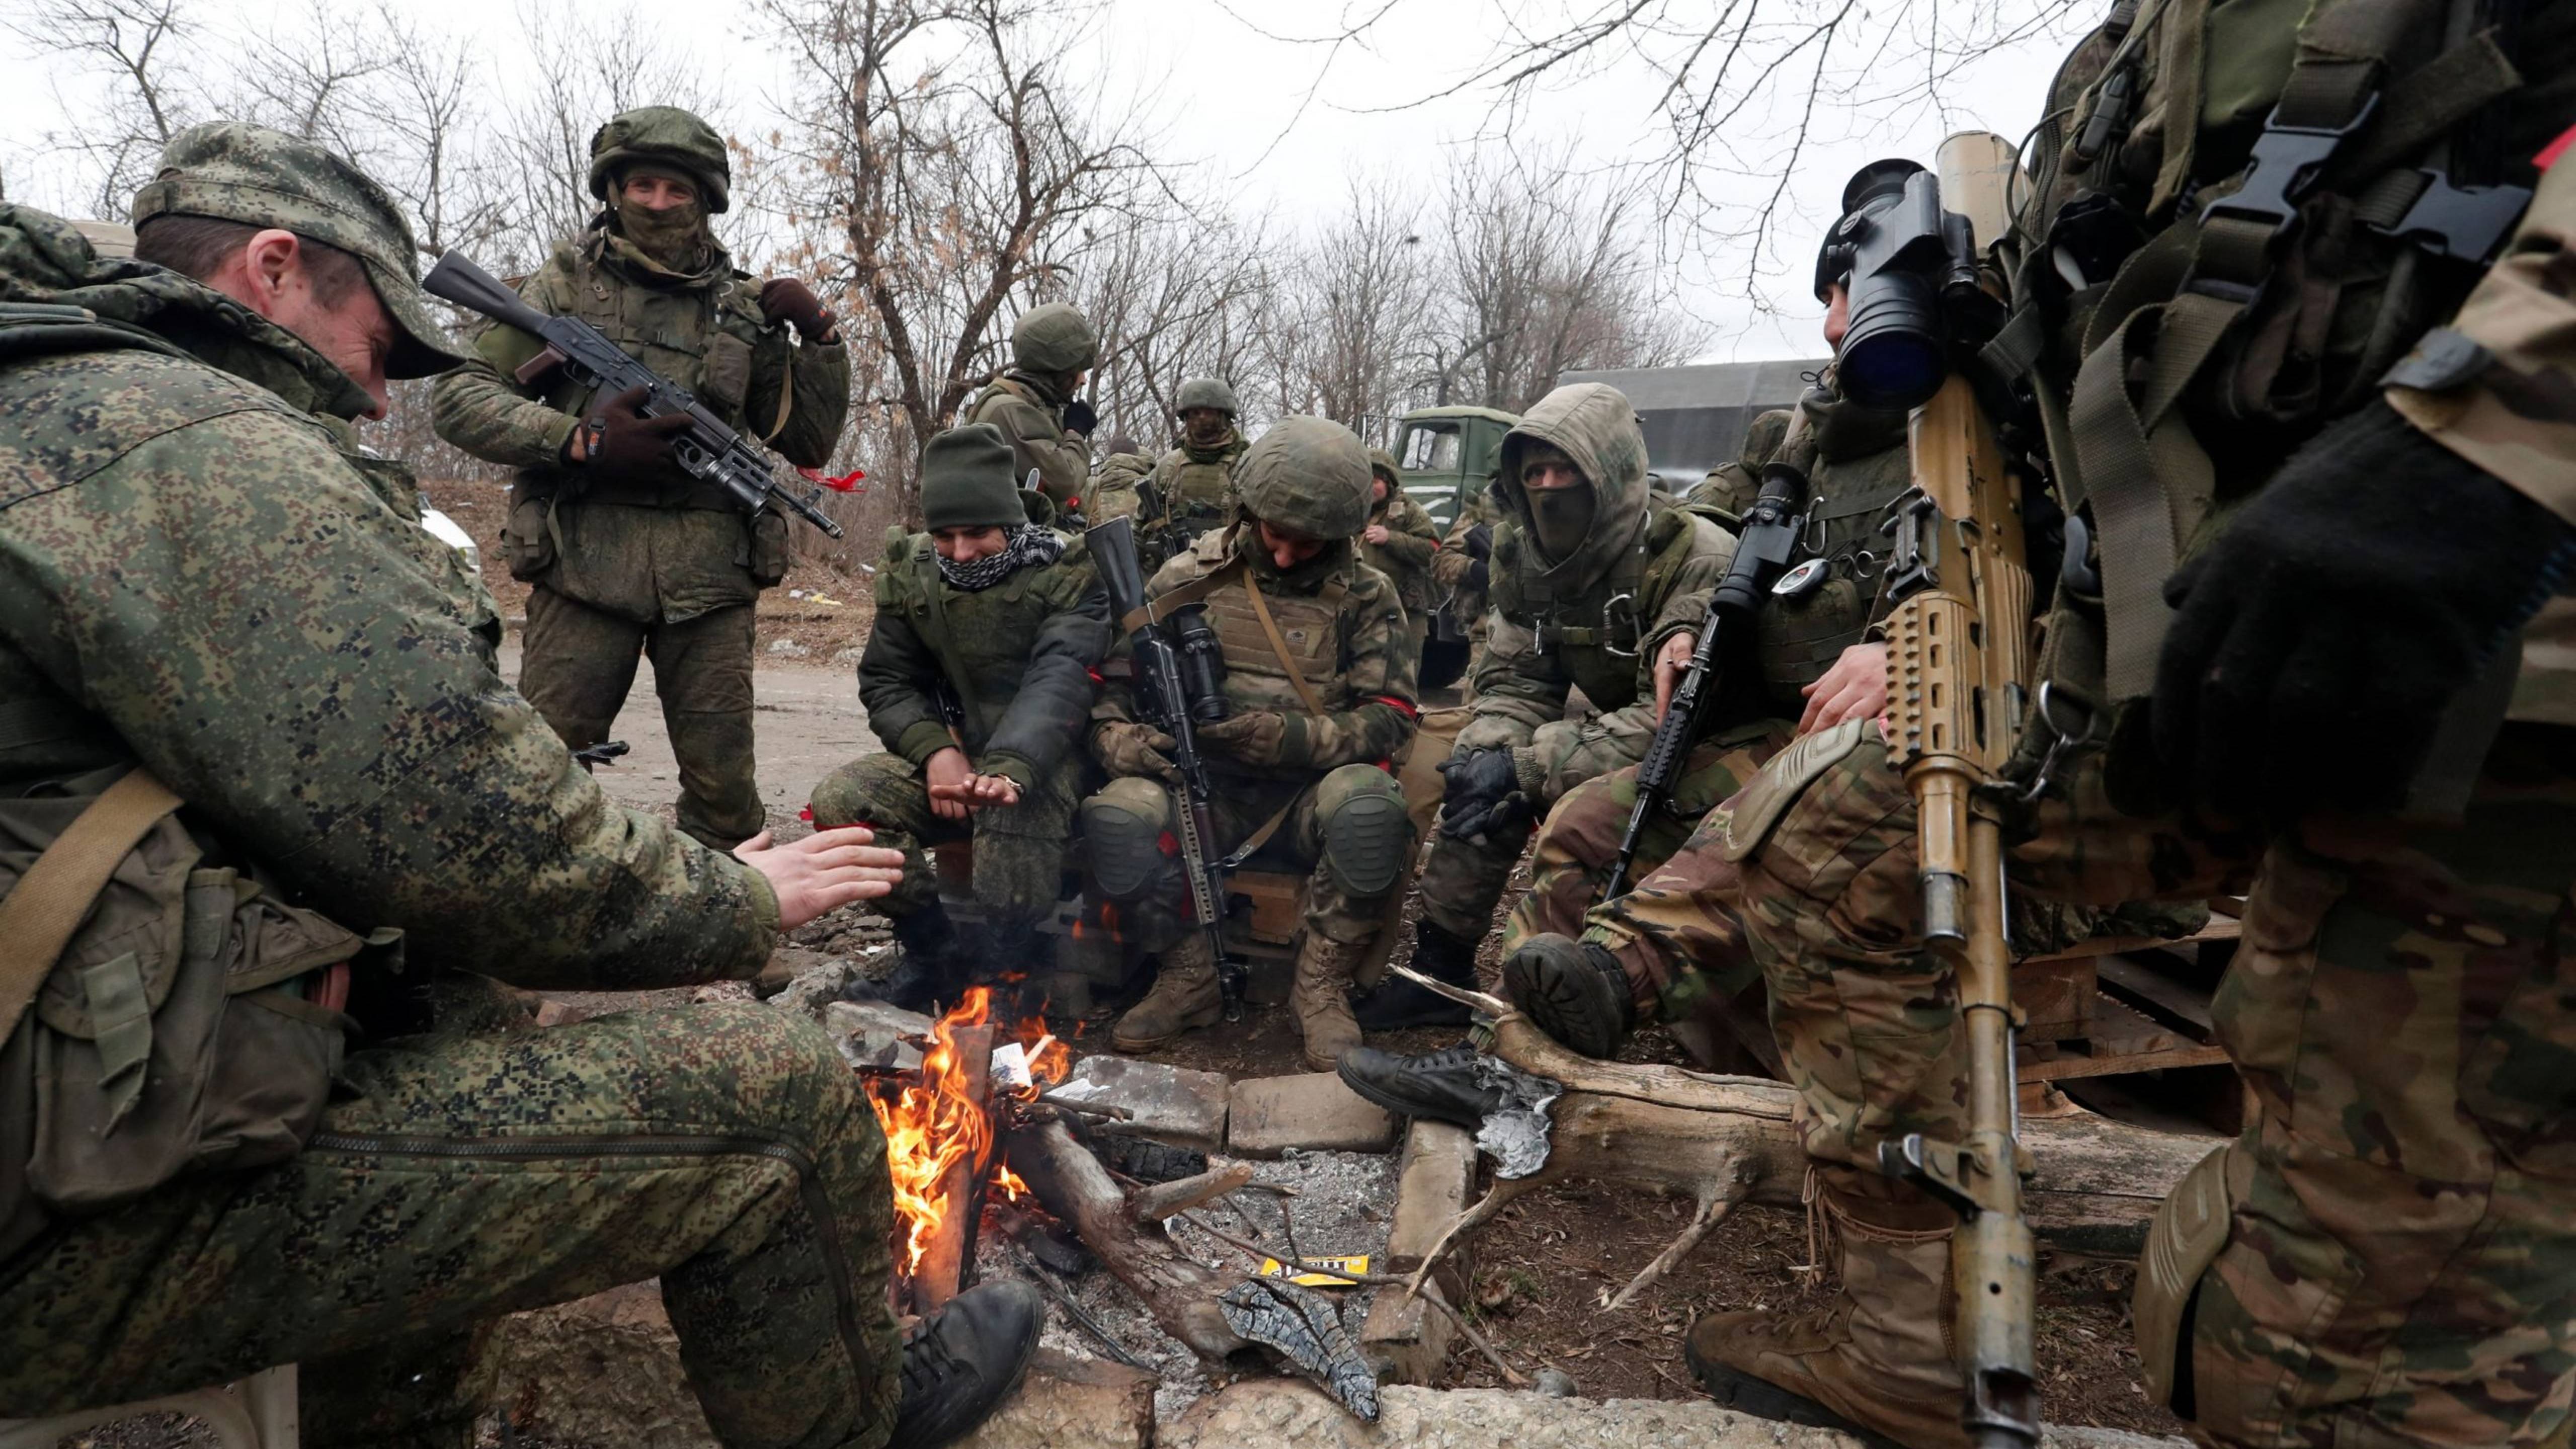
column 1051, row 346
column 204, row 583
column 1411, row 540
column 1594, row 620
column 1731, row 487
column 618, row 569
column 1322, row 784
column 2371, row 1260
column 1454, row 572
column 1113, row 494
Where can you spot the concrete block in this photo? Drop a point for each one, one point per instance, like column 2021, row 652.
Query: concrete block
column 1073, row 1403
column 599, row 1370
column 872, row 1033
column 1170, row 1104
column 1310, row 1111
column 1405, row 1339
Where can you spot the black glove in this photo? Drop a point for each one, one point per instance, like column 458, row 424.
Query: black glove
column 1481, row 795
column 1080, row 417
column 1480, row 541
column 2316, row 642
column 785, row 299
column 621, row 445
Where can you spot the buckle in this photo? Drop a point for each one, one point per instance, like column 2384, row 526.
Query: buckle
column 2465, row 223
column 2283, row 168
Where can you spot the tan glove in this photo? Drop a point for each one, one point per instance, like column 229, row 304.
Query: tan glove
column 1252, row 738
column 1126, row 747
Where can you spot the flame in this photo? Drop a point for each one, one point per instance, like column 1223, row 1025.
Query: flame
column 933, row 1124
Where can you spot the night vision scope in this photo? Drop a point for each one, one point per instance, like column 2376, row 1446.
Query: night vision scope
column 1911, row 269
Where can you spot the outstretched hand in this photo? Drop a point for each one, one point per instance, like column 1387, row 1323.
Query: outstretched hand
column 822, row 872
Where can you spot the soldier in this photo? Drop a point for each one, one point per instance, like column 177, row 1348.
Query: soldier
column 1595, row 584
column 1398, row 542
column 2327, row 696
column 1052, row 347
column 1462, row 570
column 220, row 610
column 1730, row 487
column 1114, row 491
column 1191, row 488
column 625, row 551
column 978, row 678
column 1321, row 695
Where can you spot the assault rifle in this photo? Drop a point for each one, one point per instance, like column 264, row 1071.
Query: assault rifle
column 707, row 449
column 1156, row 656
column 1762, row 551
column 1959, row 662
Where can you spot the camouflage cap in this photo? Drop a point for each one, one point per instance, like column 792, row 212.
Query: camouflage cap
column 1306, row 474
column 669, row 136
column 236, row 171
column 1054, row 338
column 1204, row 392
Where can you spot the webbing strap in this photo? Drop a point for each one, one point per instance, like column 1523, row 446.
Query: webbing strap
column 1163, row 606
column 1260, row 837
column 39, row 915
column 1279, row 646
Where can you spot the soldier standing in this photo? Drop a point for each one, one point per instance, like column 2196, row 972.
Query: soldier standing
column 226, row 675
column 1398, row 542
column 1596, row 583
column 1320, row 691
column 978, row 678
column 1191, row 489
column 626, row 552
column 2350, row 696
column 1052, row 347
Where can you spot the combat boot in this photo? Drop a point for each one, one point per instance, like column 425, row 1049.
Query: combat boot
column 1575, row 991
column 1879, row 1360
column 1322, row 999
column 1401, row 1003
column 964, row 1360
column 1439, row 1085
column 1185, row 997
column 934, row 966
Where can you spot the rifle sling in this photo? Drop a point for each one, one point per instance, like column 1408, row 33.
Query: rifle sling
column 1279, row 646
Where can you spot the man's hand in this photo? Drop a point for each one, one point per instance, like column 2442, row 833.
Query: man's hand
column 823, row 872
column 1481, row 795
column 1126, row 747
column 617, row 441
column 948, row 772
column 1374, row 533
column 1671, row 662
column 1252, row 738
column 1854, row 688
column 785, row 299
column 974, row 792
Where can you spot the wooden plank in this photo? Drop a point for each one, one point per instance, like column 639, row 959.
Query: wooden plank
column 2177, row 1004
column 2056, row 997
column 2124, row 1041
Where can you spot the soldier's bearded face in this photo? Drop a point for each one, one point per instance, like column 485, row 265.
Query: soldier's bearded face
column 1288, row 548
column 1205, row 426
column 965, row 545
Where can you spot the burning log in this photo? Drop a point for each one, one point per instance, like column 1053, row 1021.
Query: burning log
column 943, row 1257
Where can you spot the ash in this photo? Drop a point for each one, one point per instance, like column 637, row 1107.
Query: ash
column 1344, row 1202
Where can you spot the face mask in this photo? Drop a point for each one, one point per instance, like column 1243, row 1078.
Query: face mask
column 1561, row 517
column 1208, row 432
column 674, row 236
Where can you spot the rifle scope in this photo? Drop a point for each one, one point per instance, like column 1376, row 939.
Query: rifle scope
column 1202, row 664
column 1905, row 256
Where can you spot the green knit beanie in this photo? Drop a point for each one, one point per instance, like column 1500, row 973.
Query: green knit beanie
column 966, row 480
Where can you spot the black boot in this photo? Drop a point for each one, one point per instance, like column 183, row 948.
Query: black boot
column 1440, row 1085
column 932, row 969
column 1575, row 991
column 1398, row 1002
column 963, row 1361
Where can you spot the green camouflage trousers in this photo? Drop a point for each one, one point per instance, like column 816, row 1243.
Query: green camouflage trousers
column 1159, row 914
column 1677, row 973
column 2396, row 1270
column 1019, row 849
column 577, row 663
column 725, row 1149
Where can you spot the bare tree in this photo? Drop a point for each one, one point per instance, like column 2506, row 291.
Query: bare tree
column 1364, row 292
column 133, row 46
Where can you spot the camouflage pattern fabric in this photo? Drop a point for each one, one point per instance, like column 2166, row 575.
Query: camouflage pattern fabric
column 724, row 1149
column 1159, row 914
column 1405, row 558
column 1019, row 849
column 1194, row 492
column 1733, row 486
column 1030, row 412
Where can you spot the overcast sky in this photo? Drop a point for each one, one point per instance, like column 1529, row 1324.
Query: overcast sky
column 1282, row 126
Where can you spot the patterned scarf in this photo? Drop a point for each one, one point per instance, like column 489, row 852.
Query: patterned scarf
column 1033, row 545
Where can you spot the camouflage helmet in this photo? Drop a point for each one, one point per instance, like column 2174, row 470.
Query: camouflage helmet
column 1382, row 464
column 1054, row 338
column 664, row 134
column 1306, row 474
column 1204, row 392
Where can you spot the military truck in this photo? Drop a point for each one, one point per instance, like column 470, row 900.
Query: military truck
column 1695, row 416
column 1447, row 455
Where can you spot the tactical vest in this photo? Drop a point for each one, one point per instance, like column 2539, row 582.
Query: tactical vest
column 1314, row 631
column 1194, row 496
column 1597, row 633
column 1851, row 480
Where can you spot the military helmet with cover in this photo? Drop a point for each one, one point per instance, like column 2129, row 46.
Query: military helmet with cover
column 1308, row 475
column 666, row 135
column 239, row 172
column 1204, row 392
column 1054, row 338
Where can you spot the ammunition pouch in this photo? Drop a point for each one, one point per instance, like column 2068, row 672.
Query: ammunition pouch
column 2185, row 1238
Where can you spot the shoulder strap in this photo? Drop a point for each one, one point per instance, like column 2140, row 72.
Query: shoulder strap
column 1279, row 646
column 925, row 563
column 39, row 915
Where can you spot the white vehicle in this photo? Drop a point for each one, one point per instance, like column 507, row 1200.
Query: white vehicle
column 446, row 531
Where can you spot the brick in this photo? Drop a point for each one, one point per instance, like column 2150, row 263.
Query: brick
column 1311, row 1111
column 1406, row 1340
column 871, row 1033
column 1170, row 1104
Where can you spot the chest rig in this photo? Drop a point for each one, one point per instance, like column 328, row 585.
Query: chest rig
column 1826, row 603
column 1597, row 631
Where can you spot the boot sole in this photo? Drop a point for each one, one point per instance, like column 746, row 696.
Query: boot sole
column 1758, row 1398
column 1368, row 1092
column 1557, row 996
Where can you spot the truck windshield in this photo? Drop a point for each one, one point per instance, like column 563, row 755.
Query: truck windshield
column 1430, row 448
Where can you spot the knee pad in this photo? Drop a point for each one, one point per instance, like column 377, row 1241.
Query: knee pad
column 2185, row 1238
column 1365, row 840
column 1122, row 832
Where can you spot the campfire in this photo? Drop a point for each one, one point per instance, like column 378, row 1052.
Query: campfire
column 941, row 1132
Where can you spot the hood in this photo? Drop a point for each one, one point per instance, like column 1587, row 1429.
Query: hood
column 43, row 258
column 1594, row 424
column 1843, row 430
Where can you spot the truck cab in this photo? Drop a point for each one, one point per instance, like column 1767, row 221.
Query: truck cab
column 1446, row 455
